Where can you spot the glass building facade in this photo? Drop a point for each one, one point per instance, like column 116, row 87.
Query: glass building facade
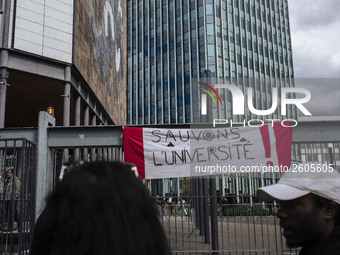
column 172, row 42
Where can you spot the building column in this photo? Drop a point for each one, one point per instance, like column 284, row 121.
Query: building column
column 67, row 107
column 76, row 123
column 3, row 93
column 67, row 104
column 86, row 110
column 77, row 111
column 93, row 150
column 67, row 98
column 223, row 185
column 86, row 122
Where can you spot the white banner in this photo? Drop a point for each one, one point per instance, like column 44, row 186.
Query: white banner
column 167, row 153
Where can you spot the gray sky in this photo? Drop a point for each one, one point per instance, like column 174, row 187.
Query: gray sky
column 315, row 30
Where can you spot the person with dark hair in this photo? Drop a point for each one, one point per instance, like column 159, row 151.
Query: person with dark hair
column 163, row 204
column 309, row 214
column 99, row 208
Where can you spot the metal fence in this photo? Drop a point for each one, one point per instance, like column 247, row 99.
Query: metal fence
column 208, row 221
column 88, row 154
column 243, row 225
column 193, row 225
column 236, row 223
column 17, row 195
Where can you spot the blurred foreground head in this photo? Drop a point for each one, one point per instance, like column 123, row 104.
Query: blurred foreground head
column 99, row 208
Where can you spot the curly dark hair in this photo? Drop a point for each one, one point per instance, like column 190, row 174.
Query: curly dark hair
column 99, row 208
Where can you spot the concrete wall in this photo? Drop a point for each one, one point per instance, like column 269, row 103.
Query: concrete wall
column 45, row 28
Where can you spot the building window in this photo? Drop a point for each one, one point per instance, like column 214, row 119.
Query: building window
column 186, row 58
column 211, row 50
column 209, row 11
column 210, row 29
column 193, row 15
column 200, row 12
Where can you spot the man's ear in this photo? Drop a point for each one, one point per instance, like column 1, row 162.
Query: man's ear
column 329, row 211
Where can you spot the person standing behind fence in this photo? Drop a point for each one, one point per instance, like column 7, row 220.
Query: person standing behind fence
column 163, row 204
column 184, row 205
column 98, row 209
column 158, row 205
column 170, row 205
column 309, row 210
column 12, row 196
column 179, row 206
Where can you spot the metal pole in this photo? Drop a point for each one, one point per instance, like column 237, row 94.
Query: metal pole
column 237, row 188
column 6, row 23
column 209, row 117
column 76, row 123
column 197, row 204
column 3, row 92
column 205, row 210
column 66, row 109
column 213, row 212
column 44, row 163
column 77, row 111
column 261, row 185
column 86, row 111
column 67, row 103
column 331, row 159
column 86, row 123
column 93, row 150
column 223, row 185
column 178, row 188
column 250, row 189
column 201, row 212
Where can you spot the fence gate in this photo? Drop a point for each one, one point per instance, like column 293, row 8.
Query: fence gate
column 195, row 224
column 17, row 195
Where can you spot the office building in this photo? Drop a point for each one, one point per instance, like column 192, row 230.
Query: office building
column 171, row 43
column 321, row 154
column 64, row 54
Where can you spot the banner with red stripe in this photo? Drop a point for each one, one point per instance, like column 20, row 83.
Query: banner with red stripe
column 134, row 149
column 168, row 153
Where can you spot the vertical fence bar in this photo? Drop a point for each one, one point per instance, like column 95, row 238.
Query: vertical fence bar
column 331, row 159
column 201, row 212
column 17, row 211
column 213, row 208
column 205, row 210
column 197, row 203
